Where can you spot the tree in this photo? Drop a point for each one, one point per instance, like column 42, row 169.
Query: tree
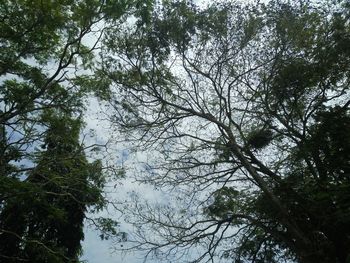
column 43, row 222
column 232, row 104
column 46, row 183
column 44, row 48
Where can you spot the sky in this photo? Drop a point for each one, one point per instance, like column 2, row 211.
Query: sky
column 96, row 250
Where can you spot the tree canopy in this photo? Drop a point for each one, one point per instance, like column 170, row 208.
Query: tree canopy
column 240, row 111
column 244, row 110
column 47, row 185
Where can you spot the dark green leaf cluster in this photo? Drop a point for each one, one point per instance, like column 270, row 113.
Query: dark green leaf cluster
column 259, row 138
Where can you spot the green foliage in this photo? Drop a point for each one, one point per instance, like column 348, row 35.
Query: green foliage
column 108, row 227
column 259, row 138
column 50, row 204
column 226, row 201
column 320, row 202
column 46, row 182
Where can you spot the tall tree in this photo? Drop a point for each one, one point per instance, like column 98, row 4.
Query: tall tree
column 46, row 183
column 233, row 104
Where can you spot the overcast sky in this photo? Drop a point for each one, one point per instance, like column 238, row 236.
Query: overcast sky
column 96, row 250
